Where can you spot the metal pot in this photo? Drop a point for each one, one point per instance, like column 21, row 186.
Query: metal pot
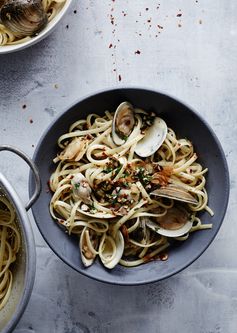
column 25, row 265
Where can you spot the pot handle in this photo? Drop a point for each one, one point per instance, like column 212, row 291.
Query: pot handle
column 34, row 169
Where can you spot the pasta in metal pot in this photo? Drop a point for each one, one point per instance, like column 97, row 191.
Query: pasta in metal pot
column 10, row 242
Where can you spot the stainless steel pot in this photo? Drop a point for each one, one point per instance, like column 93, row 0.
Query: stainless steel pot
column 25, row 265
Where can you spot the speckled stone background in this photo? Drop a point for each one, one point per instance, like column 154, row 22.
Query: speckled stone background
column 187, row 48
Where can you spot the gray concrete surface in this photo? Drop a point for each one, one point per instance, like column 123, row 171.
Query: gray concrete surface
column 191, row 56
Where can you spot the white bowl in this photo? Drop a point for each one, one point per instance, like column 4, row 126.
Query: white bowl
column 44, row 33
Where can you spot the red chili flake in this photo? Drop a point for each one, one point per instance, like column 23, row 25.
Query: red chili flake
column 111, row 19
column 31, row 121
column 119, row 77
column 24, row 106
column 137, row 52
column 48, row 186
column 110, row 45
column 163, row 256
column 149, row 258
column 125, row 233
column 159, row 26
column 179, row 15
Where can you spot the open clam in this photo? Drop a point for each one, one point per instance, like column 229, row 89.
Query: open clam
column 153, row 139
column 174, row 223
column 111, row 250
column 23, row 17
column 123, row 123
column 175, row 192
column 88, row 244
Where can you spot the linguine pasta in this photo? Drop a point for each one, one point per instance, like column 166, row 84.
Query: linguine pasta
column 10, row 241
column 51, row 7
column 103, row 192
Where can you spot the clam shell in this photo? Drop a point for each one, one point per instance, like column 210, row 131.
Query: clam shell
column 175, row 223
column 176, row 193
column 153, row 139
column 23, row 17
column 118, row 140
column 89, row 259
column 169, row 233
column 106, row 254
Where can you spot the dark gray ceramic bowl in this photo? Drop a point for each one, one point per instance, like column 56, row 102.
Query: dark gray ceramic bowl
column 186, row 123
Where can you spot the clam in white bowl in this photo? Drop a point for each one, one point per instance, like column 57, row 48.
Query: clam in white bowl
column 41, row 35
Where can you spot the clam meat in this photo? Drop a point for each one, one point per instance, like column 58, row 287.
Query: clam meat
column 74, row 150
column 174, row 223
column 81, row 188
column 123, row 123
column 23, row 17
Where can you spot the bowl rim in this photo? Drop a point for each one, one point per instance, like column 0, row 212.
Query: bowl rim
column 202, row 120
column 4, row 49
column 30, row 269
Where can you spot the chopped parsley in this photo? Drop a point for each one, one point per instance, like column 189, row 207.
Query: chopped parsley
column 108, row 170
